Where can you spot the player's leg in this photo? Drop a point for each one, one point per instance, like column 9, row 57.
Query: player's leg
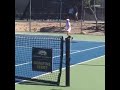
column 69, row 34
column 76, row 16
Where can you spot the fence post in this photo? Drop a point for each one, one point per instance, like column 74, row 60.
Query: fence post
column 30, row 16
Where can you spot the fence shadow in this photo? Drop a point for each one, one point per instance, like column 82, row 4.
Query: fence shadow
column 52, row 29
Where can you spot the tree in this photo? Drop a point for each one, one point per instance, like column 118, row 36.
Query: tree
column 91, row 5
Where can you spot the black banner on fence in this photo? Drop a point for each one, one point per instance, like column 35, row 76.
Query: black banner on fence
column 41, row 59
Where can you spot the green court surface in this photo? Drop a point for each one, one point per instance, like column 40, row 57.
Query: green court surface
column 88, row 75
column 76, row 36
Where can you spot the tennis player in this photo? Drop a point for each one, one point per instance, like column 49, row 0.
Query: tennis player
column 68, row 27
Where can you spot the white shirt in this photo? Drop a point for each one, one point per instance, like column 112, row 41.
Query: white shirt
column 68, row 25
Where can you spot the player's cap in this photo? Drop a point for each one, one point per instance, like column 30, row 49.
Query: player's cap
column 68, row 19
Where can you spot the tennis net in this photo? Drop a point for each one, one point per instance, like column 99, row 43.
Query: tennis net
column 25, row 45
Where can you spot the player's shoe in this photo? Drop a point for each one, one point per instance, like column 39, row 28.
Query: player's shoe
column 70, row 37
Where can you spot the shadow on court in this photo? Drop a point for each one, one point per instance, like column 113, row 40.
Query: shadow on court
column 91, row 65
column 40, row 83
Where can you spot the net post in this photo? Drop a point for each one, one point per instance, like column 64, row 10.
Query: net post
column 67, row 42
column 61, row 61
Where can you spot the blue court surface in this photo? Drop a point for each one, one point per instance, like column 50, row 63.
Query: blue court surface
column 80, row 51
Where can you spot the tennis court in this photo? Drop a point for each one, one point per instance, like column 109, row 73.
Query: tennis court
column 81, row 51
column 38, row 18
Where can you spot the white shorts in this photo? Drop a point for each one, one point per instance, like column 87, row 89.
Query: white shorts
column 69, row 30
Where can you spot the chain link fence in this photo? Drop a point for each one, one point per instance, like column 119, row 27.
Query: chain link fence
column 50, row 15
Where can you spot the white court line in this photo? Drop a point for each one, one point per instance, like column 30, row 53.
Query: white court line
column 65, row 54
column 64, row 67
column 88, row 49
